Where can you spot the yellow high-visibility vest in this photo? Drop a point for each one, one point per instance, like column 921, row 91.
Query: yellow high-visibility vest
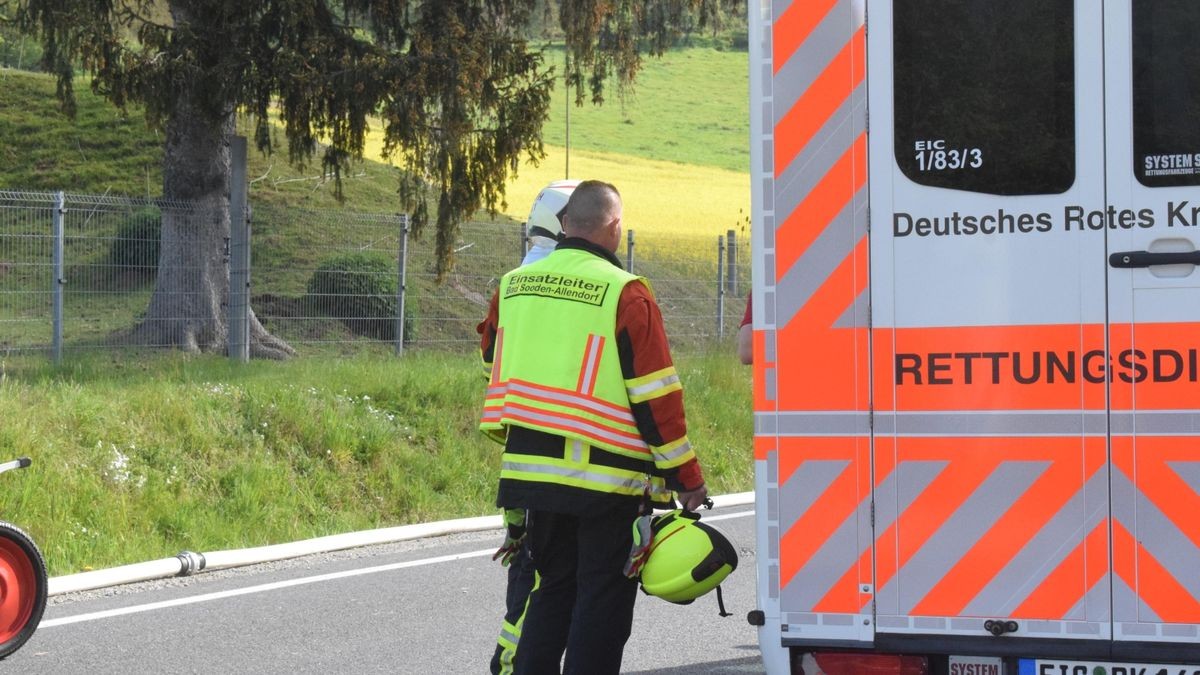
column 556, row 369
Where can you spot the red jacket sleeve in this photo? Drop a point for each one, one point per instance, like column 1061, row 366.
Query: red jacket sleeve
column 487, row 334
column 648, row 370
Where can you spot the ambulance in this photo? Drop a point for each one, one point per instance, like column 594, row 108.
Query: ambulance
column 977, row 335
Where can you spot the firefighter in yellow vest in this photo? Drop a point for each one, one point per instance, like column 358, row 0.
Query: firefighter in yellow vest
column 584, row 395
column 544, row 226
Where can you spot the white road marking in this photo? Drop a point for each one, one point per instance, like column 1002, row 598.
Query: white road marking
column 727, row 516
column 260, row 588
column 165, row 604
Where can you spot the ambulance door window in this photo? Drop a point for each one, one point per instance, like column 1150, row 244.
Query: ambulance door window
column 985, row 94
column 1166, row 93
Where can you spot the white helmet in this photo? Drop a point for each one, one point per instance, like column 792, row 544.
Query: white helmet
column 545, row 218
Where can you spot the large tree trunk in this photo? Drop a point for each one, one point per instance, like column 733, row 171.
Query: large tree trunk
column 189, row 308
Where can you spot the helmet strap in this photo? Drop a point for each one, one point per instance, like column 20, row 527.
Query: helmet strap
column 721, row 604
column 647, row 506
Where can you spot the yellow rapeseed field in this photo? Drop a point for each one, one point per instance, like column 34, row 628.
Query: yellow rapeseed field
column 660, row 197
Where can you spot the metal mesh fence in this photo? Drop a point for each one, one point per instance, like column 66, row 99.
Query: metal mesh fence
column 446, row 314
column 701, row 283
column 26, row 270
column 110, row 268
column 79, row 271
column 327, row 280
column 322, row 281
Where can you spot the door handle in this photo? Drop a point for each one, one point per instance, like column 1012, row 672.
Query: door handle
column 1130, row 259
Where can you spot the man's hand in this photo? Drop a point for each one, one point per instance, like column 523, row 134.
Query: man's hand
column 692, row 500
column 514, row 536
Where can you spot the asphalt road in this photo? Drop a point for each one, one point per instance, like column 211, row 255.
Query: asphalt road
column 428, row 606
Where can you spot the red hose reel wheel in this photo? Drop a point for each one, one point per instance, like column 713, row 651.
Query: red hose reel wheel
column 22, row 588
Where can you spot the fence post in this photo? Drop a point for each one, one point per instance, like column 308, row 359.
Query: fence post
column 59, row 276
column 731, row 262
column 720, row 287
column 239, row 254
column 629, row 251
column 524, row 241
column 402, row 265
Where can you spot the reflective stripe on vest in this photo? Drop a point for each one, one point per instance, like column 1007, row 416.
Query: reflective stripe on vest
column 555, row 367
column 539, row 469
column 565, row 413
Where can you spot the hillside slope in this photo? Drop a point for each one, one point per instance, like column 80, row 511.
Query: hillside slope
column 676, row 146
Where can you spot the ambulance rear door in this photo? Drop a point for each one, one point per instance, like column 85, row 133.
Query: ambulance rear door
column 988, row 308
column 1153, row 160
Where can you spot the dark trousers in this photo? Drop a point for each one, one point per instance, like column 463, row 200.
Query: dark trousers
column 520, row 582
column 584, row 604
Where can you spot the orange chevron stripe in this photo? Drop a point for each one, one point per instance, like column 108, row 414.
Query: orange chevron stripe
column 815, row 378
column 834, row 297
column 810, row 218
column 1162, row 486
column 845, row 596
column 820, row 207
column 862, row 571
column 1152, row 582
column 999, row 545
column 929, row 511
column 837, row 599
column 794, row 26
column 1080, row 571
column 818, row 103
column 1007, row 532
column 839, row 502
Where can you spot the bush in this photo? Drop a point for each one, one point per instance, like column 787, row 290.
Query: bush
column 359, row 289
column 136, row 246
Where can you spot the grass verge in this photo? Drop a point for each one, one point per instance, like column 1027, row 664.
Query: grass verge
column 140, row 459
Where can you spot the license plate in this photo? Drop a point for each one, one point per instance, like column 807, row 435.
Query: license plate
column 1055, row 667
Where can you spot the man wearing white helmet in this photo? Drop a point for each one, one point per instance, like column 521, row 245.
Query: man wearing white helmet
column 585, row 397
column 545, row 219
column 544, row 228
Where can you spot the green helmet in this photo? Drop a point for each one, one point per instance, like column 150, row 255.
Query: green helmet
column 687, row 558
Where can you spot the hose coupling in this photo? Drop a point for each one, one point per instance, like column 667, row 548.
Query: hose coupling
column 190, row 563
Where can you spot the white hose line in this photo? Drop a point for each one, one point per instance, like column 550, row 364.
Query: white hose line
column 190, row 563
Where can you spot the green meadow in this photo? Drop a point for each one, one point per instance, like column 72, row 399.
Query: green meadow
column 141, row 456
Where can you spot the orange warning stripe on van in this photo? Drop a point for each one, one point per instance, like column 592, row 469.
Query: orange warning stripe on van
column 1008, row 536
column 820, row 101
column 1084, row 567
column 928, row 512
column 761, row 366
column 794, row 26
column 826, row 374
column 1155, row 586
column 969, row 462
column 839, row 597
column 992, row 367
column 1148, row 466
column 837, row 503
column 821, row 206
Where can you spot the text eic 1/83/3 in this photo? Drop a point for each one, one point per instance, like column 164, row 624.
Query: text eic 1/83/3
column 936, row 156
